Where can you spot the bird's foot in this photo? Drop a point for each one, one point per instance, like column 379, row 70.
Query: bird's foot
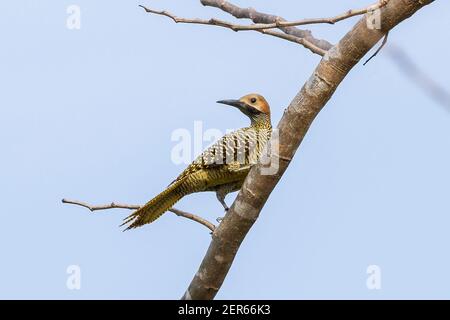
column 219, row 219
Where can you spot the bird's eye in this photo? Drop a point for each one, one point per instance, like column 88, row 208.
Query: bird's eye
column 253, row 100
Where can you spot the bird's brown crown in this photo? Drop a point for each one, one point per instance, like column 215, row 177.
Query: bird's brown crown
column 256, row 101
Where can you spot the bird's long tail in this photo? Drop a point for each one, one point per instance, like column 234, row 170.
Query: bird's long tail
column 153, row 209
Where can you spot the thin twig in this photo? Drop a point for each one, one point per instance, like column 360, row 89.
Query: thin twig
column 302, row 41
column 235, row 27
column 92, row 208
column 379, row 49
column 193, row 217
column 114, row 205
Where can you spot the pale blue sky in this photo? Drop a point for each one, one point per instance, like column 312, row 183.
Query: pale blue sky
column 88, row 114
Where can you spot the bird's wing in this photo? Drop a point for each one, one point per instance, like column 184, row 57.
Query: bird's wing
column 229, row 152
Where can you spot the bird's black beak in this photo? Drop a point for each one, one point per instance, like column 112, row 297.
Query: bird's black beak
column 235, row 103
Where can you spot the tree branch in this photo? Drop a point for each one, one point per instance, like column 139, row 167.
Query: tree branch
column 332, row 20
column 114, row 205
column 260, row 17
column 237, row 27
column 297, row 119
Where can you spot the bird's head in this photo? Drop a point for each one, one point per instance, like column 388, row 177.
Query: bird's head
column 253, row 105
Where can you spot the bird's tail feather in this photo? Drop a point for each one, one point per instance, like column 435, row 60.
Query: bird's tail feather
column 153, row 209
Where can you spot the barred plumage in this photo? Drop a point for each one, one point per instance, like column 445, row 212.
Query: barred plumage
column 221, row 168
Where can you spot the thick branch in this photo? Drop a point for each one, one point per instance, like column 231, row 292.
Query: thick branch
column 297, row 119
column 114, row 205
column 237, row 27
column 260, row 17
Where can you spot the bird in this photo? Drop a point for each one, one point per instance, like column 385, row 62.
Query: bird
column 221, row 168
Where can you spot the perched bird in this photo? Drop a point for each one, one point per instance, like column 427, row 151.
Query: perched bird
column 221, row 168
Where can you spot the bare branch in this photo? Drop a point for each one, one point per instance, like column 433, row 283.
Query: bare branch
column 193, row 217
column 92, row 208
column 302, row 41
column 260, row 17
column 114, row 205
column 332, row 20
column 296, row 120
column 237, row 27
